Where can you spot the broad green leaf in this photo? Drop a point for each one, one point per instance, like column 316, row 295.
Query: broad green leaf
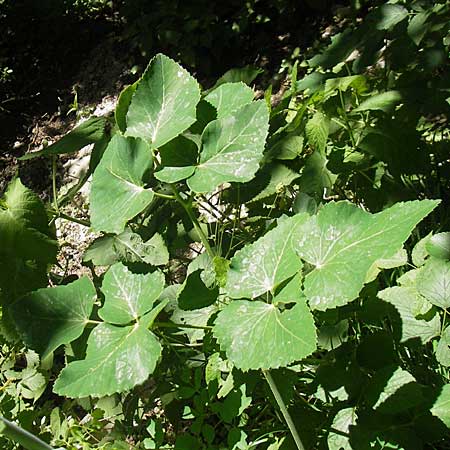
column 27, row 243
column 344, row 419
column 288, row 148
column 178, row 158
column 433, row 282
column 88, row 132
column 232, row 148
column 194, row 294
column 393, row 390
column 342, row 241
column 404, row 299
column 130, row 248
column 260, row 267
column 280, row 177
column 229, row 97
column 129, row 296
column 164, row 104
column 123, row 104
column 117, row 191
column 417, row 27
column 443, row 348
column 50, row 317
column 317, row 129
column 439, row 245
column 244, row 74
column 263, row 337
column 419, row 253
column 316, row 178
column 117, row 359
column 387, row 16
column 441, row 406
column 386, row 101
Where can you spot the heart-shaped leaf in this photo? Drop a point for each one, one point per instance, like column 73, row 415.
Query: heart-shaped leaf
column 50, row 317
column 117, row 359
column 117, row 192
column 129, row 296
column 164, row 104
column 232, row 148
column 342, row 241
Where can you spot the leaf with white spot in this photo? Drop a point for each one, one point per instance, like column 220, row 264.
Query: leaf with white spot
column 50, row 317
column 433, row 282
column 229, row 97
column 117, row 359
column 264, row 337
column 232, row 148
column 342, row 241
column 129, row 296
column 117, row 192
column 164, row 104
column 260, row 267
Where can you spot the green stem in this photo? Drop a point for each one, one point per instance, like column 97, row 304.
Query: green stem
column 166, row 196
column 55, row 192
column 347, row 122
column 188, row 208
column 283, row 409
column 180, row 325
column 61, row 215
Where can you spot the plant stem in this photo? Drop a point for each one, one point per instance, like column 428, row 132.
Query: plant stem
column 180, row 325
column 166, row 196
column 347, row 122
column 61, row 215
column 55, row 192
column 188, row 208
column 283, row 409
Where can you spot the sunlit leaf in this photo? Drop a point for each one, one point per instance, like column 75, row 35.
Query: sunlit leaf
column 229, row 97
column 433, row 282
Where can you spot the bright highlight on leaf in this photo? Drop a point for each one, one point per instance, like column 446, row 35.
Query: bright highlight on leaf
column 164, row 104
column 342, row 241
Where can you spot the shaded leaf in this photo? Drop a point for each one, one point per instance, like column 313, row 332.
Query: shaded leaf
column 88, row 132
column 438, row 245
column 123, row 104
column 433, row 282
column 117, row 191
column 443, row 348
column 344, row 419
column 194, row 294
column 317, row 129
column 316, row 178
column 50, row 317
column 441, row 406
column 386, row 101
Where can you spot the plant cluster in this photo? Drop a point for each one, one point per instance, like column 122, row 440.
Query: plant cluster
column 274, row 276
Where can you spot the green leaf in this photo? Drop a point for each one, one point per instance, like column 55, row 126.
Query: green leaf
column 418, row 27
column 387, row 16
column 117, row 359
column 117, row 191
column 439, row 245
column 433, row 282
column 123, row 104
column 443, row 348
column 88, row 132
column 343, row 421
column 229, row 97
column 244, row 74
column 101, row 252
column 194, row 294
column 386, row 101
column 129, row 296
column 232, row 148
column 441, row 406
column 334, row 85
column 130, row 248
column 50, row 317
column 260, row 267
column 316, row 178
column 257, row 335
column 404, row 299
column 196, row 317
column 400, row 258
column 164, row 104
column 288, row 148
column 419, row 253
column 317, row 129
column 393, row 390
column 342, row 241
